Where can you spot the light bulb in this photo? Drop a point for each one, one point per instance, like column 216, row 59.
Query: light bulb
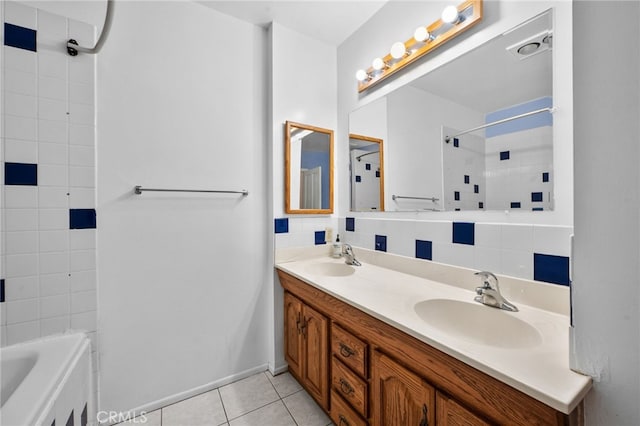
column 421, row 34
column 377, row 64
column 361, row 75
column 450, row 14
column 398, row 50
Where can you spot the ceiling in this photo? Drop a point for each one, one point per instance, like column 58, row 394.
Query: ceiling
column 331, row 21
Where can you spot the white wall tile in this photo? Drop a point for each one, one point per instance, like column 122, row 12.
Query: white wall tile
column 82, row 260
column 82, row 177
column 52, row 109
column 83, row 302
column 81, row 155
column 437, row 232
column 517, row 264
column 83, row 198
column 20, row 151
column 488, row 235
column 54, row 284
column 517, row 237
column 488, row 259
column 18, row 333
column 54, row 241
column 80, row 93
column 53, row 263
column 54, row 306
column 20, row 197
column 82, row 239
column 51, row 219
column 52, row 88
column 53, row 153
column 21, row 220
column 56, row 325
column 84, row 135
column 21, row 311
column 22, row 61
column 19, row 14
column 81, row 69
column 22, row 242
column 555, row 240
column 21, row 265
column 3, row 335
column 83, row 280
column 82, row 32
column 21, row 288
column 51, row 197
column 52, row 131
column 52, row 65
column 52, row 175
column 20, row 105
column 51, row 26
column 84, row 321
column 22, row 128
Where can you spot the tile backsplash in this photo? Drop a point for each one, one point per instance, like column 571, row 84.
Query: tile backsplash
column 48, row 191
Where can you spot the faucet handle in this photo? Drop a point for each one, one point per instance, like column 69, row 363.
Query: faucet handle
column 485, row 275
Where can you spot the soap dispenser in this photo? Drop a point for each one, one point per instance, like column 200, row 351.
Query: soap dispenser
column 337, row 248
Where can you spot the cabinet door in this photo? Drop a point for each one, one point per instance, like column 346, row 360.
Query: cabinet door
column 450, row 413
column 400, row 397
column 316, row 350
column 293, row 334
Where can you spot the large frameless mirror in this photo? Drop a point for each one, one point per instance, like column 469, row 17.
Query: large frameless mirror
column 308, row 169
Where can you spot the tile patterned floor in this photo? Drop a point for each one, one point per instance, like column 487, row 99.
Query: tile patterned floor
column 258, row 400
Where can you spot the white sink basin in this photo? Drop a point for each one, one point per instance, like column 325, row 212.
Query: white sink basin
column 330, row 269
column 478, row 323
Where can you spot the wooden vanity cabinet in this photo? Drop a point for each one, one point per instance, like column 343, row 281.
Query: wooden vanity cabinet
column 306, row 347
column 397, row 380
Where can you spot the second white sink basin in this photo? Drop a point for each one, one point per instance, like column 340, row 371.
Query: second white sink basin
column 330, row 269
column 478, row 323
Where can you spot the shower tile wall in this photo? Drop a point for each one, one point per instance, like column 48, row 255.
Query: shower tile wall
column 48, row 188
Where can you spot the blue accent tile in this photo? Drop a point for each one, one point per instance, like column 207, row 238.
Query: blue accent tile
column 424, row 250
column 476, row 189
column 504, row 155
column 537, row 209
column 466, row 178
column 456, row 142
column 456, row 209
column 281, row 225
column 464, row 233
column 1, row 290
column 378, row 173
column 545, row 177
column 480, row 205
column 381, row 242
column 551, row 269
column 320, row 238
column 20, row 37
column 358, row 178
column 351, row 224
column 536, row 197
column 82, row 218
column 456, row 195
column 367, row 166
column 20, row 174
column 515, row 205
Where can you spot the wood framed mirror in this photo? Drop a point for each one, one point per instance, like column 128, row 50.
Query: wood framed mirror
column 366, row 167
column 308, row 169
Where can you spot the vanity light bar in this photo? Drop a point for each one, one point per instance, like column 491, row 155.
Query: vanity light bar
column 454, row 20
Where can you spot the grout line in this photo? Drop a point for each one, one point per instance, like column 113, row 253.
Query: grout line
column 224, row 410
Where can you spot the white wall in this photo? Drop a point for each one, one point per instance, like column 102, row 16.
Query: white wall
column 303, row 89
column 180, row 106
column 607, row 231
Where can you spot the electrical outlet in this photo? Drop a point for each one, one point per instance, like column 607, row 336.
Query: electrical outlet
column 328, row 235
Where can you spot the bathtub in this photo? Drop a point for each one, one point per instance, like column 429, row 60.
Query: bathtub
column 46, row 381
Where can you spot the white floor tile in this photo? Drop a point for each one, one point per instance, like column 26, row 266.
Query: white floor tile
column 305, row 411
column 284, row 383
column 274, row 414
column 246, row 395
column 154, row 418
column 205, row 409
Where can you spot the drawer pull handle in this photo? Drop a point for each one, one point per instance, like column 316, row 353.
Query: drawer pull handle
column 346, row 351
column 425, row 419
column 343, row 421
column 346, row 387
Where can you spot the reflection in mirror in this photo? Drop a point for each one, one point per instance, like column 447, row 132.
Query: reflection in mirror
column 367, row 173
column 308, row 169
column 443, row 150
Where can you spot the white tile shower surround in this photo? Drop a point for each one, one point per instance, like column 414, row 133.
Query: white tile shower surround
column 260, row 400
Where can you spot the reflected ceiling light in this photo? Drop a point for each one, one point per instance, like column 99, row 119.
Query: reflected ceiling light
column 398, row 50
column 421, row 34
column 378, row 64
column 362, row 75
column 450, row 15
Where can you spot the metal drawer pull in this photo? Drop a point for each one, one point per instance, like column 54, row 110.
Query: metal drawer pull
column 346, row 387
column 425, row 419
column 343, row 421
column 346, row 351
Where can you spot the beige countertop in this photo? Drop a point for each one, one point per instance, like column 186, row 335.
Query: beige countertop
column 539, row 369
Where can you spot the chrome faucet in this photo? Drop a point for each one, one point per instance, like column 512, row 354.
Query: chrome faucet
column 489, row 294
column 349, row 257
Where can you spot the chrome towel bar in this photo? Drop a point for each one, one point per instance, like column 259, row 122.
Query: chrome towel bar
column 139, row 189
column 433, row 199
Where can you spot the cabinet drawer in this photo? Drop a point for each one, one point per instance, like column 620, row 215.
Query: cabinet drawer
column 342, row 414
column 351, row 387
column 349, row 349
